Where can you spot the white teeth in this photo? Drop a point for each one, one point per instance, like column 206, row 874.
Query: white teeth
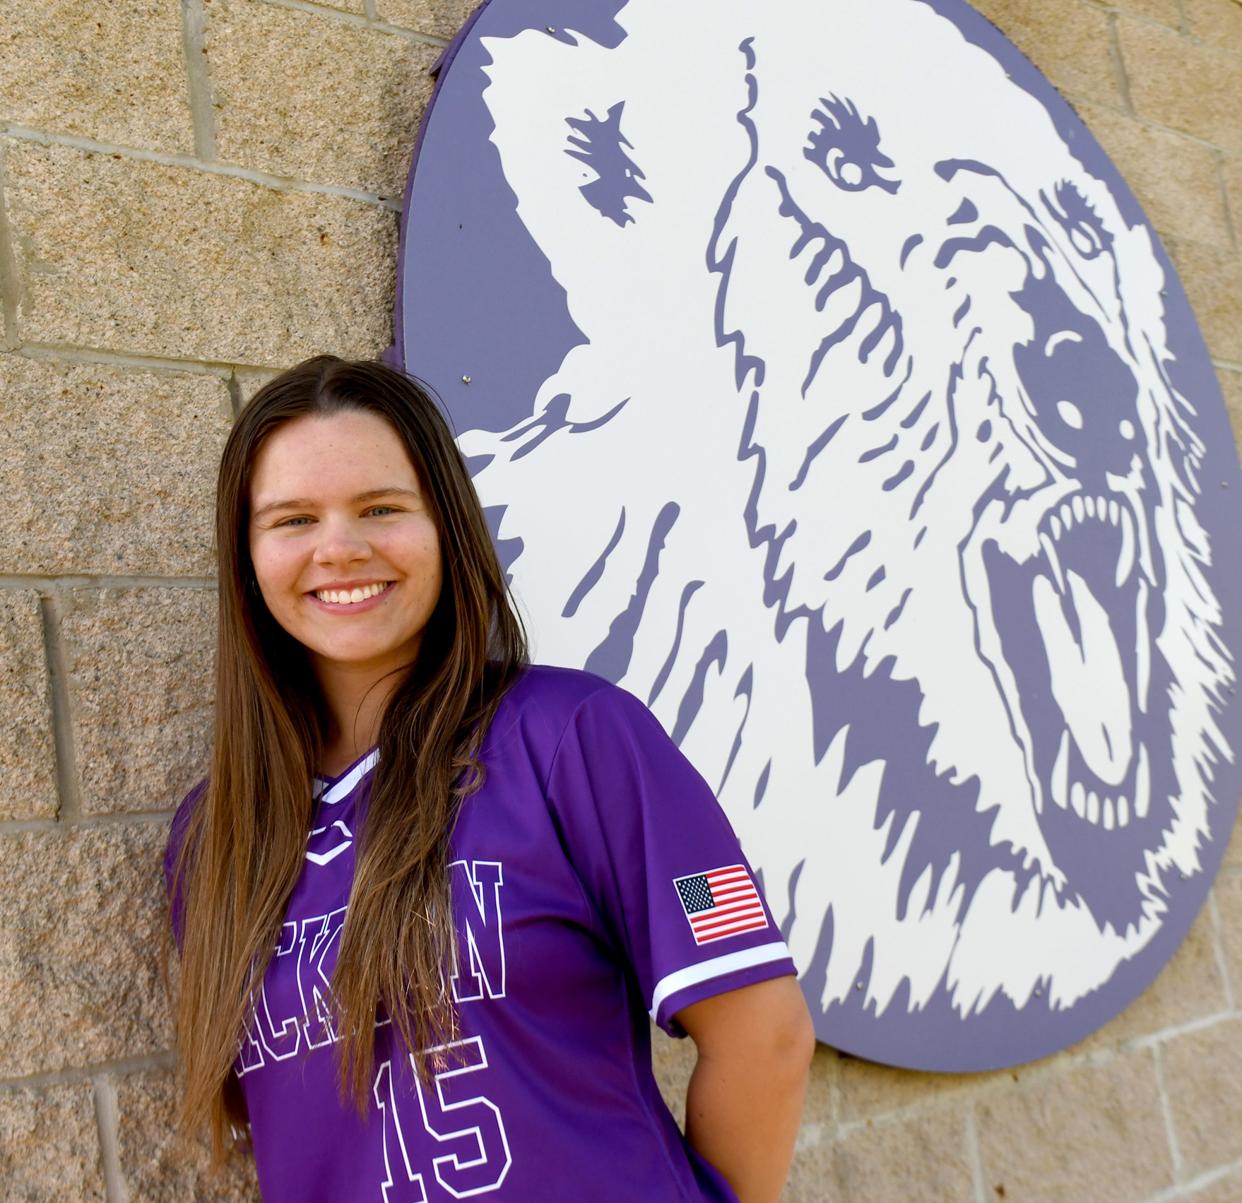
column 1053, row 562
column 1123, row 811
column 1125, row 560
column 1093, row 807
column 1089, row 502
column 1110, row 817
column 1078, row 506
column 1142, row 785
column 1054, row 525
column 1114, row 511
column 348, row 597
column 1067, row 515
column 1078, row 799
column 1060, row 772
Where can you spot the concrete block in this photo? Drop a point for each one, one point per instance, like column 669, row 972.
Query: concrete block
column 108, row 470
column 1216, row 22
column 27, row 755
column 1068, row 40
column 869, row 1090
column 1213, row 282
column 49, row 1145
column 1174, row 178
column 1081, row 1132
column 112, row 72
column 139, row 665
column 159, row 1167
column 1175, row 82
column 440, row 18
column 302, row 95
column 79, row 947
column 920, row 1158
column 1203, row 1079
column 175, row 262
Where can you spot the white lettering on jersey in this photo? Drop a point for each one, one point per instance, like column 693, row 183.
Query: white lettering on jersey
column 461, row 1134
column 480, row 971
column 475, row 889
column 319, row 934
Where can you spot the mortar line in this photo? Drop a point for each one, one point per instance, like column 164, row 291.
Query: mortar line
column 1077, row 101
column 69, row 799
column 358, row 21
column 9, row 287
column 277, row 183
column 973, row 1153
column 106, row 1122
column 1119, row 63
column 63, row 352
column 1218, row 948
column 198, row 78
column 1230, row 224
column 1166, row 1110
column 120, row 818
column 59, row 584
column 235, row 402
column 164, row 1059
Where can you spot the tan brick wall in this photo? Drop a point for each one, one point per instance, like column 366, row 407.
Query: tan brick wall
column 193, row 196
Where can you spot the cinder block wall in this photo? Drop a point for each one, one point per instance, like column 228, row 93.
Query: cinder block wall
column 195, row 194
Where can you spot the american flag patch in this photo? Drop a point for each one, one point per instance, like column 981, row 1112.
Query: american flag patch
column 721, row 902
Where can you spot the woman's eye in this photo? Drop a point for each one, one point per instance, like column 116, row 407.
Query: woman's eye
column 382, row 509
column 295, row 521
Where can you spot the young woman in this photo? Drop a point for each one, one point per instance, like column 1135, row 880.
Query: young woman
column 429, row 893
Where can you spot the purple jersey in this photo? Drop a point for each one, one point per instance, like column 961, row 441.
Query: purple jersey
column 595, row 880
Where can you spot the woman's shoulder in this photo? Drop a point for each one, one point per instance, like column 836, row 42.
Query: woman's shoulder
column 559, row 693
column 547, row 701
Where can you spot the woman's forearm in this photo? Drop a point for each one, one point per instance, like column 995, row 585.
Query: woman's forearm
column 744, row 1102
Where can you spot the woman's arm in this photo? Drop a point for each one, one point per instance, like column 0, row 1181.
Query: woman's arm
column 744, row 1103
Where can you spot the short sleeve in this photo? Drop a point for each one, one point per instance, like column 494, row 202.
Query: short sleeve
column 658, row 859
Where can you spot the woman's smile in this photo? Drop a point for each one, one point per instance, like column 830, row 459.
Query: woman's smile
column 349, row 596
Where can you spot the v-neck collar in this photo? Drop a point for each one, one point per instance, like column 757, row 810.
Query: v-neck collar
column 332, row 789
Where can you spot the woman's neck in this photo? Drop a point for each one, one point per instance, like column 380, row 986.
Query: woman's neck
column 354, row 699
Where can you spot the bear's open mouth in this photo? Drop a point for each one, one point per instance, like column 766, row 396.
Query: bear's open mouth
column 1077, row 624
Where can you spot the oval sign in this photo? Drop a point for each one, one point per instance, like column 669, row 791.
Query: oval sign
column 829, row 390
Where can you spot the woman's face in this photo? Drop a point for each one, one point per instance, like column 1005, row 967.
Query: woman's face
column 345, row 551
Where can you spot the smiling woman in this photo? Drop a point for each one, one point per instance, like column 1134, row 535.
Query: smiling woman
column 449, row 863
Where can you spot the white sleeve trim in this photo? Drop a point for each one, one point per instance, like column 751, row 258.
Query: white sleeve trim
column 692, row 975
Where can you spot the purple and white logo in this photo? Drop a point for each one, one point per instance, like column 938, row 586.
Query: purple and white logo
column 830, row 392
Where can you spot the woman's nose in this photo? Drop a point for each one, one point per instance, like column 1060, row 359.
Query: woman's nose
column 340, row 541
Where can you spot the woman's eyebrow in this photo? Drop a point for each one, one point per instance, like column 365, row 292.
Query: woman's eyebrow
column 305, row 503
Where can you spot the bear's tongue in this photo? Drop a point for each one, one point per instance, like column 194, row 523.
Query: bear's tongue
column 1088, row 680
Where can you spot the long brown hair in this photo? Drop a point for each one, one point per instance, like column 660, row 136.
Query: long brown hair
column 243, row 846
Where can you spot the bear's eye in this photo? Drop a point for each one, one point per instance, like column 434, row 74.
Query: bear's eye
column 846, row 147
column 1080, row 221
